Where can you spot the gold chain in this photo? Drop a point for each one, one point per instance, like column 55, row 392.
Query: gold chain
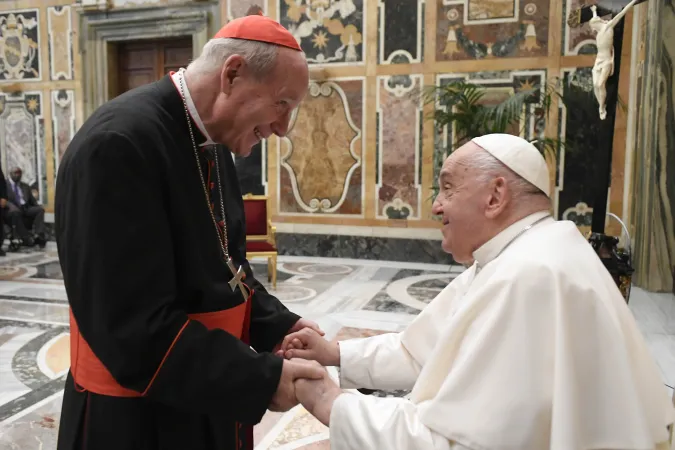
column 221, row 239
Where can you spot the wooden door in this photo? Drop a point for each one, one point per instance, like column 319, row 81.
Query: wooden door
column 142, row 62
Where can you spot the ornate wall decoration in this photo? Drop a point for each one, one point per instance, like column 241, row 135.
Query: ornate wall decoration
column 581, row 214
column 401, row 31
column 239, row 8
column 577, row 41
column 22, row 139
column 501, row 85
column 399, row 146
column 63, row 122
column 320, row 168
column 20, row 45
column 60, row 30
column 579, row 162
column 329, row 31
column 477, row 29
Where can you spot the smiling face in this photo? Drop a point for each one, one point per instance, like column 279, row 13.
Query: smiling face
column 469, row 203
column 257, row 108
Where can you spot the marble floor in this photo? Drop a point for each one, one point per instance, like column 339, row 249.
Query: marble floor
column 348, row 298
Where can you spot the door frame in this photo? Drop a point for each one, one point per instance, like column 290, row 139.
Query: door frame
column 114, row 60
column 101, row 30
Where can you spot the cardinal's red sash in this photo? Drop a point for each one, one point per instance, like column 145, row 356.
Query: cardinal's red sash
column 89, row 373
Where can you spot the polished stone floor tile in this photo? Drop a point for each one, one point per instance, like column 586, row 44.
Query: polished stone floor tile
column 348, row 298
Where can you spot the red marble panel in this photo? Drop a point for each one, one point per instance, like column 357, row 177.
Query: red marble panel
column 478, row 29
column 399, row 146
column 579, row 40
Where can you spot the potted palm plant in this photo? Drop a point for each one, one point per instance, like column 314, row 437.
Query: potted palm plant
column 462, row 109
column 461, row 106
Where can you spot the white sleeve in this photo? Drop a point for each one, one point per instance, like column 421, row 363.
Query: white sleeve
column 360, row 422
column 378, row 362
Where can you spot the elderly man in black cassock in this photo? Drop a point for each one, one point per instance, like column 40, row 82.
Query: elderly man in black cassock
column 172, row 339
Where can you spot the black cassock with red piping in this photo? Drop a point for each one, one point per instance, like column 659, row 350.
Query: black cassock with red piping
column 140, row 254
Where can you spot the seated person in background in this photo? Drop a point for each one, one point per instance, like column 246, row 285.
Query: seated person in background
column 531, row 348
column 22, row 204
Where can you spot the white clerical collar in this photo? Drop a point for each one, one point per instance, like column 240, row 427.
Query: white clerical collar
column 176, row 77
column 492, row 248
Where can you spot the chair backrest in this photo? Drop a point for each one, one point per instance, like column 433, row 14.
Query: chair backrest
column 255, row 210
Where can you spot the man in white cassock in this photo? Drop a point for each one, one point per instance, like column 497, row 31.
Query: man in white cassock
column 531, row 348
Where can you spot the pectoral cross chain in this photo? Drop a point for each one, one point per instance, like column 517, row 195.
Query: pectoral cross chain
column 221, row 228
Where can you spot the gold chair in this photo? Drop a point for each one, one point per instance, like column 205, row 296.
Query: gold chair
column 260, row 234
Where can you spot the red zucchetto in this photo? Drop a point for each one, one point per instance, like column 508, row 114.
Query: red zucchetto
column 259, row 28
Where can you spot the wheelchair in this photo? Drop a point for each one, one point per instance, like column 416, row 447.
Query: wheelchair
column 14, row 241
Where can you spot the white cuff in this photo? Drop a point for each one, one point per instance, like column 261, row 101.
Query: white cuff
column 349, row 356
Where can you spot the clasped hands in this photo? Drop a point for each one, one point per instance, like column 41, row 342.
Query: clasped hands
column 303, row 378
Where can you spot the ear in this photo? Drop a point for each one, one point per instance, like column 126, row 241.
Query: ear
column 232, row 69
column 499, row 197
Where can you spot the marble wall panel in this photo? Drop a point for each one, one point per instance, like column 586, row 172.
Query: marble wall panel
column 580, row 40
column 22, row 139
column 252, row 170
column 500, row 86
column 399, row 146
column 665, row 115
column 63, row 122
column 579, row 122
column 477, row 29
column 320, row 160
column 20, row 45
column 401, row 31
column 135, row 3
column 330, row 32
column 363, row 247
column 653, row 184
column 241, row 8
column 60, row 31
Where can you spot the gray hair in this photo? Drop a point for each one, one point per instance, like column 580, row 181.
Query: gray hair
column 260, row 57
column 489, row 167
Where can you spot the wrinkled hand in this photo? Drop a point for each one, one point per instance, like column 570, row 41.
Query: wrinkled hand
column 306, row 323
column 284, row 398
column 301, row 324
column 308, row 344
column 317, row 396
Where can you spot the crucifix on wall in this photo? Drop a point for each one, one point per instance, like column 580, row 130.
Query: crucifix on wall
column 606, row 41
column 606, row 19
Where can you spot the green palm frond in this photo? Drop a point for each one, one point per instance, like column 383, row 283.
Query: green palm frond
column 460, row 105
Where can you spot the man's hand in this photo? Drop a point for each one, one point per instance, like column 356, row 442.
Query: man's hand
column 284, row 398
column 3, row 202
column 318, row 396
column 301, row 324
column 305, row 323
column 308, row 344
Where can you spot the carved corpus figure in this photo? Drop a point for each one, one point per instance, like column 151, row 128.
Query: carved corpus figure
column 604, row 61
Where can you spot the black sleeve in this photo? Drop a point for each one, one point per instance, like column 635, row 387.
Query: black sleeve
column 3, row 185
column 270, row 319
column 118, row 264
